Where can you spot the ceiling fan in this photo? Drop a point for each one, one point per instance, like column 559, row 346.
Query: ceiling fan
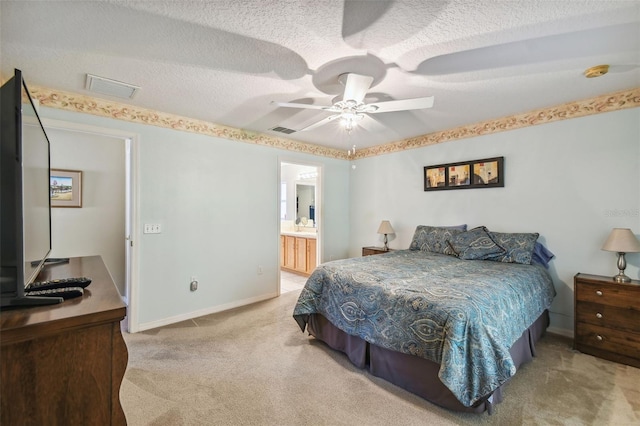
column 352, row 107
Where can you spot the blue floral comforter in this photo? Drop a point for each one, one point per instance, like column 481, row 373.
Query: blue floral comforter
column 463, row 314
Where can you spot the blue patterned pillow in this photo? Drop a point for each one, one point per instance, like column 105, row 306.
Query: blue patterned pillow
column 475, row 244
column 518, row 246
column 434, row 238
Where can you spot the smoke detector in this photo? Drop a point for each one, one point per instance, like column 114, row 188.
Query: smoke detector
column 597, row 71
column 106, row 86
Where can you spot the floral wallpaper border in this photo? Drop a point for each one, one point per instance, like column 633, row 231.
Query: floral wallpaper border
column 84, row 104
column 605, row 103
column 103, row 108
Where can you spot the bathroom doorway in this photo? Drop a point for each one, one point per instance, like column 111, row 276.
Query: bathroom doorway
column 300, row 223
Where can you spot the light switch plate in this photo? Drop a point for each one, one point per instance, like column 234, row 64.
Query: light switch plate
column 152, row 228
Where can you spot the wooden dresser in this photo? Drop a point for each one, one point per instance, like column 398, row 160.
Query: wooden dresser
column 607, row 318
column 63, row 364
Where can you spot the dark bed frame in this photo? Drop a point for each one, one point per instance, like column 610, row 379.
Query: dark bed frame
column 414, row 374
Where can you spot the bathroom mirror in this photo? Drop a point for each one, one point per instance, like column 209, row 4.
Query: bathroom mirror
column 298, row 197
column 306, row 201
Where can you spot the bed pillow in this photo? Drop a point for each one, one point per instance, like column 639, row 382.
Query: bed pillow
column 475, row 244
column 541, row 255
column 518, row 246
column 434, row 238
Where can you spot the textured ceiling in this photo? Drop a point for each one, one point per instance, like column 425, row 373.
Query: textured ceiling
column 225, row 61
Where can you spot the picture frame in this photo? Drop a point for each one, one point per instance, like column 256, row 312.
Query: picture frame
column 65, row 188
column 483, row 173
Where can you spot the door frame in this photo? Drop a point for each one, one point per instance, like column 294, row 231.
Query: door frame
column 131, row 141
column 319, row 206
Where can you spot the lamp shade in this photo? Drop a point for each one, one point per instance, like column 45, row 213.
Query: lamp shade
column 622, row 240
column 385, row 228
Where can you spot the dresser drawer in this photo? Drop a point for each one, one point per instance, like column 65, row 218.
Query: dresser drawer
column 608, row 316
column 608, row 293
column 620, row 342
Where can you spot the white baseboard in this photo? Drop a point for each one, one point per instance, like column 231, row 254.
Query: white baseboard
column 203, row 312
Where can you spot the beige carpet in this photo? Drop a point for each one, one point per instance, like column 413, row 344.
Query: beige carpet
column 253, row 366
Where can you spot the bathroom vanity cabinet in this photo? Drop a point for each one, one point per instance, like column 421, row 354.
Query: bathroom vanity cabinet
column 298, row 254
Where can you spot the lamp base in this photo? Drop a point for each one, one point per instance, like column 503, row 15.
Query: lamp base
column 621, row 278
column 622, row 265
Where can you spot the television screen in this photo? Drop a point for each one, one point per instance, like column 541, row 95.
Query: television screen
column 35, row 193
column 25, row 214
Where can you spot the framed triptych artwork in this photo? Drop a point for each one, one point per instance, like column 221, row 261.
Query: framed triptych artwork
column 484, row 173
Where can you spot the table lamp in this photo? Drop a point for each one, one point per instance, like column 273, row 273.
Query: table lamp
column 385, row 228
column 622, row 240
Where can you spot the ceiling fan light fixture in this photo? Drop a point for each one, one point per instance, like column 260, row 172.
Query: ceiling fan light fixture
column 351, row 115
column 351, row 107
column 347, row 123
column 597, row 71
column 348, row 120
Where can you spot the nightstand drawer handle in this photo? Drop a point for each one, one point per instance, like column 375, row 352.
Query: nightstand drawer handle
column 599, row 337
column 598, row 292
column 598, row 315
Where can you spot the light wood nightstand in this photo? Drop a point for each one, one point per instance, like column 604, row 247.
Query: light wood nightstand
column 368, row 251
column 607, row 318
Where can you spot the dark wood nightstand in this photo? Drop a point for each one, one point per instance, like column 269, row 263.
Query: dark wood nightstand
column 368, row 251
column 607, row 318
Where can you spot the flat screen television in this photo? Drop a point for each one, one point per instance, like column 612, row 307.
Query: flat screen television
column 25, row 204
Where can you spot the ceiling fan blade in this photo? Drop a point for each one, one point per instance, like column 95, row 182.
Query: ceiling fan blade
column 320, row 123
column 400, row 105
column 356, row 87
column 296, row 105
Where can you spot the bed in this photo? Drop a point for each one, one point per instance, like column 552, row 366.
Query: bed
column 450, row 319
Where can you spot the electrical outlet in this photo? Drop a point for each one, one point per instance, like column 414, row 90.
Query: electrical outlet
column 193, row 285
column 259, row 270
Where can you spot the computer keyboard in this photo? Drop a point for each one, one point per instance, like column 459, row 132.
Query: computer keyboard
column 81, row 282
column 64, row 292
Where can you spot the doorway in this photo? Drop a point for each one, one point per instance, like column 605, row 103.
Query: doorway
column 300, row 212
column 116, row 245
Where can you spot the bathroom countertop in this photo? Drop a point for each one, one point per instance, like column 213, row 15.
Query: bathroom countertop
column 304, row 234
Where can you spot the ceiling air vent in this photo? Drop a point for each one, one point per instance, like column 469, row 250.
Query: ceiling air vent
column 283, row 130
column 110, row 87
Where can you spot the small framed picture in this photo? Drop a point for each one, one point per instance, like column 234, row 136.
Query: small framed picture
column 484, row 173
column 487, row 172
column 459, row 175
column 434, row 177
column 65, row 188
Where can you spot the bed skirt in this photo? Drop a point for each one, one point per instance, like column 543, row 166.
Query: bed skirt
column 414, row 374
